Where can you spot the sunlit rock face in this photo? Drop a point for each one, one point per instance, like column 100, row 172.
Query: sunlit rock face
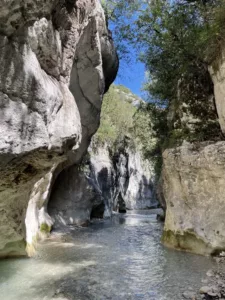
column 217, row 72
column 194, row 189
column 56, row 60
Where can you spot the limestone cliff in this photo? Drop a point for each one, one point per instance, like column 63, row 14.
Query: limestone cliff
column 57, row 59
column 193, row 179
column 125, row 179
column 114, row 176
column 103, row 184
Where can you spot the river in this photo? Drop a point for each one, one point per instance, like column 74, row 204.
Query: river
column 116, row 259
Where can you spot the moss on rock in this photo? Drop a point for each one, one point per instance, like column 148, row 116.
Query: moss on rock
column 186, row 241
column 14, row 249
column 45, row 228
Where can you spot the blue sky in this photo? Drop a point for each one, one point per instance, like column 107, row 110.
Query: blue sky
column 131, row 75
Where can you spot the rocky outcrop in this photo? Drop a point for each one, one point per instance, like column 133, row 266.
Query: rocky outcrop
column 194, row 188
column 103, row 183
column 72, row 199
column 57, row 59
column 124, row 179
column 193, row 182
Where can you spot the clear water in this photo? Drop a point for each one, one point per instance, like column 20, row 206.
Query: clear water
column 120, row 259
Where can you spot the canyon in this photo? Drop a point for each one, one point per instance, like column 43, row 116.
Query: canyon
column 98, row 187
column 57, row 61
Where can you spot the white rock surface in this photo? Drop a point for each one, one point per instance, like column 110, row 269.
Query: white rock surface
column 140, row 190
column 193, row 184
column 48, row 111
column 194, row 189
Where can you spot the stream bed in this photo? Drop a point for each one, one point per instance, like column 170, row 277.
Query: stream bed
column 116, row 259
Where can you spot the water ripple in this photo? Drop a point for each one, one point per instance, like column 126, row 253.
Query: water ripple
column 120, row 259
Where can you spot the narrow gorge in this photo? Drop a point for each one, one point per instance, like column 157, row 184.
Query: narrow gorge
column 112, row 184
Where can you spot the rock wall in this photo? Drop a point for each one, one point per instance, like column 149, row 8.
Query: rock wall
column 56, row 60
column 193, row 178
column 194, row 189
column 124, row 178
column 72, row 199
column 104, row 183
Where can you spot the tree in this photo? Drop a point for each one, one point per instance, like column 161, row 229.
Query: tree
column 172, row 37
column 177, row 41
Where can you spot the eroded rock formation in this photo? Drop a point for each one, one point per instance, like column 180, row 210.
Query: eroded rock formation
column 102, row 184
column 125, row 179
column 73, row 198
column 193, row 186
column 56, row 60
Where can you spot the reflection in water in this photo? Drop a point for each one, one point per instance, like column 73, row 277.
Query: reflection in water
column 119, row 259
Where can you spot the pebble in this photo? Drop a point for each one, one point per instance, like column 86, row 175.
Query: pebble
column 210, row 273
column 189, row 295
column 205, row 290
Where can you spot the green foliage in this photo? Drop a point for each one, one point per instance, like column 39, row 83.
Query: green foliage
column 121, row 120
column 123, row 124
column 116, row 117
column 151, row 130
column 123, row 88
column 177, row 41
column 45, row 228
column 178, row 36
column 175, row 38
column 143, row 131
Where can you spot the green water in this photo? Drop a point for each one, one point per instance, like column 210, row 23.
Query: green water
column 119, row 259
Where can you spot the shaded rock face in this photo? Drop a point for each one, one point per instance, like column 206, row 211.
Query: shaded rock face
column 57, row 59
column 101, row 185
column 194, row 189
column 72, row 198
column 124, row 180
column 159, row 193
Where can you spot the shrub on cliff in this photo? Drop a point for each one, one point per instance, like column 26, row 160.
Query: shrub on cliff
column 122, row 118
column 116, row 117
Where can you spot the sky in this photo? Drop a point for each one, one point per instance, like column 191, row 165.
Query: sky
column 131, row 75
